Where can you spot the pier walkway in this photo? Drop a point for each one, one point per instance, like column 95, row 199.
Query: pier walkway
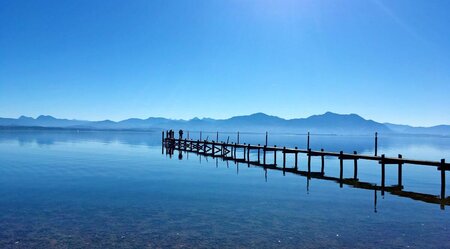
column 241, row 153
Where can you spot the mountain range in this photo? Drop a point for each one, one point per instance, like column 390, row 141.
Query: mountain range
column 327, row 123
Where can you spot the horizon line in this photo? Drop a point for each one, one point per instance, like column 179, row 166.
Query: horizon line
column 202, row 118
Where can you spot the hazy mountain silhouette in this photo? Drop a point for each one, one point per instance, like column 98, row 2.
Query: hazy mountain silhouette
column 407, row 129
column 43, row 120
column 330, row 123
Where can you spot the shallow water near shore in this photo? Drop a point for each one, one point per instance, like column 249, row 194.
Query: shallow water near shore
column 68, row 189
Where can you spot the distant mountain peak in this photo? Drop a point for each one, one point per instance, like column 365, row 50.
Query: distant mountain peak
column 333, row 114
column 45, row 117
column 259, row 114
column 25, row 118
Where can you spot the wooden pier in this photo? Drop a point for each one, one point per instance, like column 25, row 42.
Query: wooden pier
column 230, row 151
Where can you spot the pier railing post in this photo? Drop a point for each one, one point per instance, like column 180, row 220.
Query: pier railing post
column 284, row 157
column 296, row 159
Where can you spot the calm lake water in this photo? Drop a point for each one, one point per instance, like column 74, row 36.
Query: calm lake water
column 117, row 190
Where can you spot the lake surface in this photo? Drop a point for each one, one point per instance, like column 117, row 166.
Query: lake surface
column 65, row 189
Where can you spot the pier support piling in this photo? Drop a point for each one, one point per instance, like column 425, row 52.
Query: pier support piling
column 400, row 172
column 442, row 168
column 275, row 156
column 355, row 167
column 322, row 168
column 309, row 162
column 341, row 167
column 296, row 159
column 259, row 153
column 383, row 174
column 264, row 154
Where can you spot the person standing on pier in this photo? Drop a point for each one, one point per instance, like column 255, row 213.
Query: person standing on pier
column 180, row 133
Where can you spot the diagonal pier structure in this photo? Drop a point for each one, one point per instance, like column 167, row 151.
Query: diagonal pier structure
column 229, row 151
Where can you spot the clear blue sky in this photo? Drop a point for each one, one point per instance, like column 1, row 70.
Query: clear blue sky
column 88, row 59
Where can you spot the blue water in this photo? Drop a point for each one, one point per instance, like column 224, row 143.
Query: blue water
column 61, row 189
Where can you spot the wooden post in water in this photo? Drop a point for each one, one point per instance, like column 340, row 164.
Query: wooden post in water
column 296, row 159
column 162, row 143
column 267, row 135
column 307, row 143
column 322, row 157
column 284, row 157
column 442, row 167
column 341, row 167
column 355, row 167
column 376, row 143
column 238, row 137
column 275, row 155
column 264, row 154
column 245, row 152
column 309, row 162
column 383, row 174
column 400, row 172
column 200, row 135
column 248, row 153
column 217, row 136
column 259, row 153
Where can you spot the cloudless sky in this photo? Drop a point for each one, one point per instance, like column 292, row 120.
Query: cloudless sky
column 88, row 59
